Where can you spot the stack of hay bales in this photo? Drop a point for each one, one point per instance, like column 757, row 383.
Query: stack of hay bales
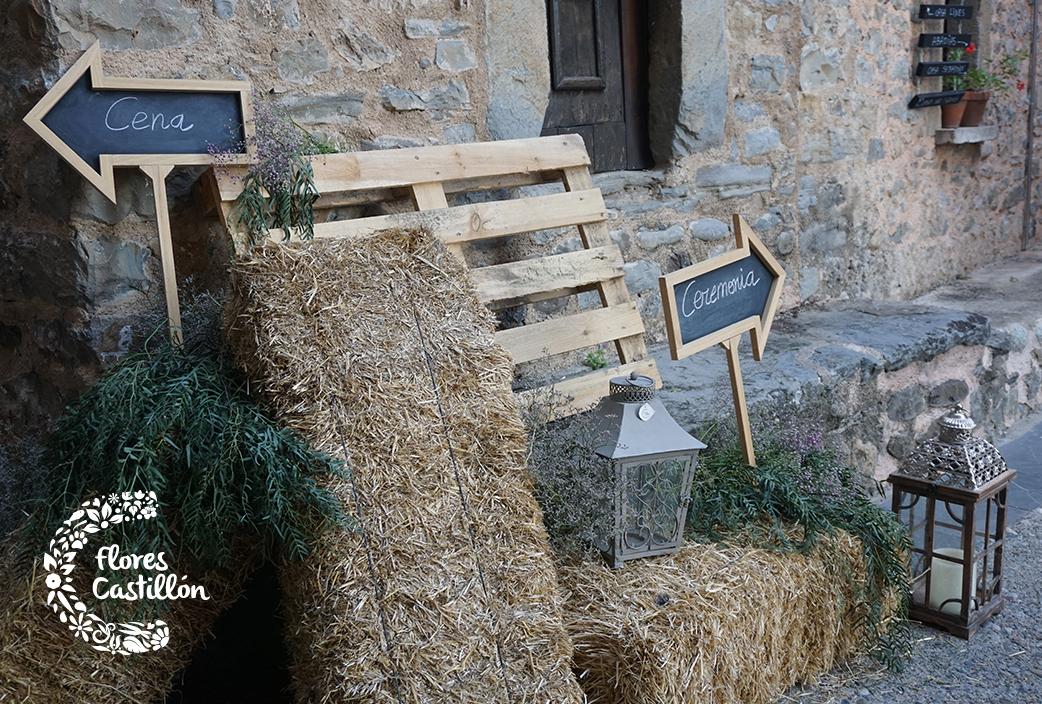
column 709, row 625
column 448, row 592
column 41, row 660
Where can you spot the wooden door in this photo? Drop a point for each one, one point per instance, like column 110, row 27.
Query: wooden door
column 598, row 75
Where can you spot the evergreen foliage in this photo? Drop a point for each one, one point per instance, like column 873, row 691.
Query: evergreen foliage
column 179, row 421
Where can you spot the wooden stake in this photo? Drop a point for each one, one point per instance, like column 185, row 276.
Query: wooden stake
column 158, row 173
column 738, row 391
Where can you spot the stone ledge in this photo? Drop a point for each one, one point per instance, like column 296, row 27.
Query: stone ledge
column 966, row 135
column 880, row 372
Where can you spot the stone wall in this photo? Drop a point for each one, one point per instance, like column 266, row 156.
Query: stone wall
column 76, row 270
column 790, row 112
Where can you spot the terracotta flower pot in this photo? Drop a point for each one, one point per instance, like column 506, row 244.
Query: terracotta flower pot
column 951, row 114
column 975, row 104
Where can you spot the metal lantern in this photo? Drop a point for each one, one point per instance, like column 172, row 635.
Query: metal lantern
column 652, row 463
column 951, row 493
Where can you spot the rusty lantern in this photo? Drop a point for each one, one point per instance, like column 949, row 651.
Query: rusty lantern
column 951, row 494
column 652, row 464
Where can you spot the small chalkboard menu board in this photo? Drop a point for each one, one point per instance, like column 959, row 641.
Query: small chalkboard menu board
column 925, row 100
column 722, row 297
column 95, row 122
column 944, row 41
column 929, row 69
column 945, row 12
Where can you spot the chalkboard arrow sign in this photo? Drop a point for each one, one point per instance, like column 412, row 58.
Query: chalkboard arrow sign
column 928, row 69
column 945, row 41
column 926, row 100
column 945, row 12
column 715, row 301
column 97, row 122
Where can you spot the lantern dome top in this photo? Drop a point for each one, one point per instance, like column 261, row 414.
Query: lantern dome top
column 956, row 426
column 955, row 458
column 634, row 388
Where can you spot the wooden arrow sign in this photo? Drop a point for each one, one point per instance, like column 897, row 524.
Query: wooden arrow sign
column 714, row 302
column 97, row 122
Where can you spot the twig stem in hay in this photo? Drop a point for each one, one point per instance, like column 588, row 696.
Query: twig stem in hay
column 377, row 587
column 493, row 620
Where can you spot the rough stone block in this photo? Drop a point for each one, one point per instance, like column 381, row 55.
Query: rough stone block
column 761, row 141
column 459, row 134
column 454, row 55
column 767, row 222
column 65, row 344
column 419, row 29
column 825, row 237
column 768, row 73
column 650, row 239
column 948, row 392
column 875, row 149
column 820, row 67
column 362, row 50
column 44, row 267
column 327, row 109
column 128, row 26
column 641, row 276
column 864, row 74
column 572, row 244
column 906, row 404
column 747, row 112
column 301, row 59
column 709, row 229
column 224, row 9
column 734, row 180
column 900, row 445
column 117, row 266
column 810, row 279
column 844, row 363
column 807, row 196
column 786, row 242
column 452, row 96
column 387, row 141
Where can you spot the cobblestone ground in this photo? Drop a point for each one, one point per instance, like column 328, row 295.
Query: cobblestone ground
column 1001, row 664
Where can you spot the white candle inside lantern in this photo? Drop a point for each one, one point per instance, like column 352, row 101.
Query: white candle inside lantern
column 946, row 582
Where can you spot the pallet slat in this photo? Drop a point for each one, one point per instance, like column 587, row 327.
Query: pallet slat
column 477, row 221
column 391, row 168
column 570, row 333
column 530, row 280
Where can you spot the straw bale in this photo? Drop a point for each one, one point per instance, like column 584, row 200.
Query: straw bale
column 328, row 333
column 42, row 663
column 710, row 625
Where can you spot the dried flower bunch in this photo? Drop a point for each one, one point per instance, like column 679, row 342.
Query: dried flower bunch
column 279, row 187
column 996, row 75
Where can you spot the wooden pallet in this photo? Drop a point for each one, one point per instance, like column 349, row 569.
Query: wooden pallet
column 426, row 176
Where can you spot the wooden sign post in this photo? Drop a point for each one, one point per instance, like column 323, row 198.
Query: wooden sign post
column 97, row 123
column 714, row 302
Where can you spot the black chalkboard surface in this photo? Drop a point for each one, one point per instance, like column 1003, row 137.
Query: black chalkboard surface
column 945, row 12
column 722, row 297
column 926, row 100
column 942, row 68
column 947, row 41
column 95, row 122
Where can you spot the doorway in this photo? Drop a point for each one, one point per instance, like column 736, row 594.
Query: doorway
column 599, row 79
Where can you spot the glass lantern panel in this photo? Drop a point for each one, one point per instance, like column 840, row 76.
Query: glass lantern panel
column 654, row 491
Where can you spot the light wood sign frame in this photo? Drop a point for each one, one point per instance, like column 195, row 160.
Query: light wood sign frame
column 157, row 166
column 750, row 251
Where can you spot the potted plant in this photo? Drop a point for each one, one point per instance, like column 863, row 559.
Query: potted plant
column 995, row 76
